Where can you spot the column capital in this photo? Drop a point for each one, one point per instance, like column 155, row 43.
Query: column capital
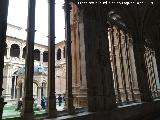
column 8, row 46
column 41, row 51
column 17, row 87
column 39, row 87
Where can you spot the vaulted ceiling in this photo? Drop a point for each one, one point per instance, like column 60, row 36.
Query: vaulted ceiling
column 135, row 18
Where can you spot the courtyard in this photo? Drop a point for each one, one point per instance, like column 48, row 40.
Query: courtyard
column 9, row 110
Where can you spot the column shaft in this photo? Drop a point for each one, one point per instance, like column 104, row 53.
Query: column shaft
column 39, row 97
column 8, row 51
column 141, row 70
column 45, row 91
column 51, row 105
column 27, row 112
column 18, row 93
column 15, row 86
column 21, row 53
column 157, row 56
column 3, row 28
column 41, row 57
column 70, row 106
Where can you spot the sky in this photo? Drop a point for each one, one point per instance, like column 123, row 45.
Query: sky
column 17, row 15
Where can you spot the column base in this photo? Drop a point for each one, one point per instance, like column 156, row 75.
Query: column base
column 52, row 114
column 7, row 96
column 27, row 109
column 27, row 116
column 2, row 103
column 51, row 107
column 82, row 97
column 39, row 107
column 70, row 108
column 82, row 101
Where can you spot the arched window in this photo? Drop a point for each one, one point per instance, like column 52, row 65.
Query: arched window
column 37, row 55
column 15, row 50
column 58, row 54
column 24, row 52
column 64, row 52
column 45, row 56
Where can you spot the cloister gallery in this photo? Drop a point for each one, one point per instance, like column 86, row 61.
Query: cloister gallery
column 112, row 61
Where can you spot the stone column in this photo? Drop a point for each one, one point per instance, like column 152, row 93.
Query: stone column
column 51, row 105
column 23, row 89
column 15, row 86
column 157, row 56
column 83, row 86
column 70, row 107
column 139, row 50
column 41, row 57
column 100, row 87
column 7, row 81
column 28, row 113
column 8, row 51
column 133, row 70
column 39, row 98
column 18, row 93
column 12, row 87
column 3, row 28
column 45, row 91
column 21, row 53
column 155, row 66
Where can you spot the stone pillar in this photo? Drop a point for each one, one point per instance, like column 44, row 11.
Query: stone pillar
column 8, row 51
column 155, row 66
column 39, row 97
column 139, row 50
column 51, row 104
column 28, row 113
column 23, row 89
column 15, row 86
column 7, row 81
column 75, row 56
column 21, row 53
column 83, row 85
column 41, row 57
column 45, row 91
column 101, row 96
column 69, row 98
column 157, row 56
column 3, row 28
column 133, row 70
column 18, row 93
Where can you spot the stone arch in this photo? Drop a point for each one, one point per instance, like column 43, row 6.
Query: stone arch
column 37, row 83
column 58, row 54
column 126, row 16
column 44, row 81
column 15, row 50
column 37, row 54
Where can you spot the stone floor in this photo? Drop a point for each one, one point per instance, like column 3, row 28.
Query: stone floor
column 10, row 112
